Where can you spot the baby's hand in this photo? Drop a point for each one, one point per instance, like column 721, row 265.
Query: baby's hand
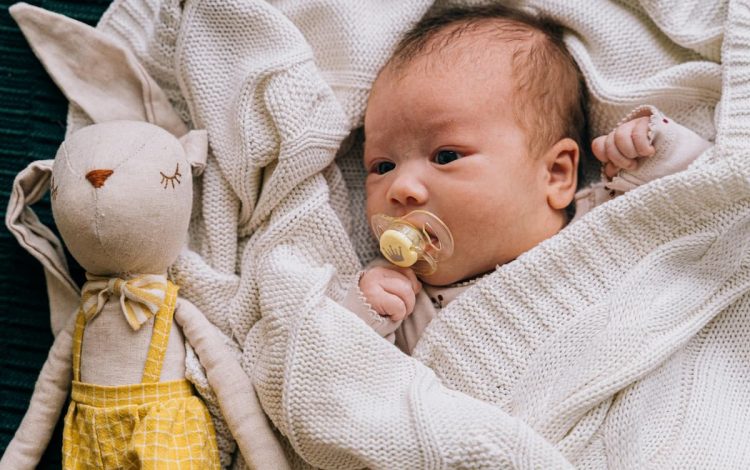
column 620, row 149
column 390, row 291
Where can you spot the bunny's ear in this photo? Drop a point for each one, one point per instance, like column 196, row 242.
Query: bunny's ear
column 94, row 72
column 195, row 144
column 28, row 187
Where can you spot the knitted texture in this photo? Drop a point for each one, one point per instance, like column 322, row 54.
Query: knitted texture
column 620, row 342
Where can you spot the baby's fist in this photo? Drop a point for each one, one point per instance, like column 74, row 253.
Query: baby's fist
column 620, row 149
column 392, row 292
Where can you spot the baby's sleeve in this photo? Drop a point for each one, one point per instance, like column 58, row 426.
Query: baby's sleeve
column 356, row 301
column 676, row 147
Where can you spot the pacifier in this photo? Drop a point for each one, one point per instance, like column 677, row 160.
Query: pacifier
column 418, row 240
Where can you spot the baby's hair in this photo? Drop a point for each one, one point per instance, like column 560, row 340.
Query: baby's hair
column 548, row 82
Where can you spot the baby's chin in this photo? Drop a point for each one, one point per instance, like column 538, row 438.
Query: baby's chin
column 447, row 276
column 433, row 280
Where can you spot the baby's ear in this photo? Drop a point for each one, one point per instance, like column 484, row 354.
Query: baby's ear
column 561, row 161
column 195, row 144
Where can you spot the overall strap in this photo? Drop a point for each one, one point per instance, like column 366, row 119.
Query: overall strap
column 160, row 337
column 78, row 344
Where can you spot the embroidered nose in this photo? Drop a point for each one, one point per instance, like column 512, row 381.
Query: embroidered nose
column 98, row 177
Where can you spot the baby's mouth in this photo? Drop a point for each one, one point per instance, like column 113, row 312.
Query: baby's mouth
column 433, row 238
column 430, row 232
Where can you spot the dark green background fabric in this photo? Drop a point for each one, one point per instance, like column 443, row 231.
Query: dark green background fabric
column 32, row 125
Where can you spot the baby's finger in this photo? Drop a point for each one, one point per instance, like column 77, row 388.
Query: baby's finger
column 391, row 306
column 415, row 284
column 614, row 155
column 401, row 288
column 624, row 139
column 598, row 148
column 610, row 170
column 641, row 139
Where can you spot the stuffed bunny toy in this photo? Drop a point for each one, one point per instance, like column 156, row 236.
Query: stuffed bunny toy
column 121, row 193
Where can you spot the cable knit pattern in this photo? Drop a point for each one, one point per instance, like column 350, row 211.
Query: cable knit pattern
column 620, row 342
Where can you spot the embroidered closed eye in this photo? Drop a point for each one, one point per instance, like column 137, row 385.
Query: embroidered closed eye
column 175, row 178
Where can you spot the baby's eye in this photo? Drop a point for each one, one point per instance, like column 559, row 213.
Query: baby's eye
column 443, row 157
column 383, row 167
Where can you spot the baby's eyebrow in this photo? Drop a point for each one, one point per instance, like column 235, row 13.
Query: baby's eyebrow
column 441, row 123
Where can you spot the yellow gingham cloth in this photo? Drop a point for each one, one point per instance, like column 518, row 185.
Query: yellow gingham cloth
column 151, row 425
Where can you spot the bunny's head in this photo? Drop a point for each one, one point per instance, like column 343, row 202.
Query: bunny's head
column 121, row 188
column 121, row 196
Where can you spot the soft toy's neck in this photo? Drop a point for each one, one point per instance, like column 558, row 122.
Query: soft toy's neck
column 125, row 276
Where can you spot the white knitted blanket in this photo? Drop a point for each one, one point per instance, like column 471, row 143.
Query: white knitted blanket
column 624, row 341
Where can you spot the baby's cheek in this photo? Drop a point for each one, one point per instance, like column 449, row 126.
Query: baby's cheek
column 374, row 203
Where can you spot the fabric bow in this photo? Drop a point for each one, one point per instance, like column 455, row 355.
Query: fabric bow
column 140, row 297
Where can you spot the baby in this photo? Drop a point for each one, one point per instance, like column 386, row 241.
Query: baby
column 479, row 119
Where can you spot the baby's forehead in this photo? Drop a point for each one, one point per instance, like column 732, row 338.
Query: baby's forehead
column 471, row 63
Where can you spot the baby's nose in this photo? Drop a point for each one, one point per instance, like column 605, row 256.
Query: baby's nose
column 98, row 177
column 408, row 190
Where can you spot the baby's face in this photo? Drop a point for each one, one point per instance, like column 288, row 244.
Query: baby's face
column 440, row 135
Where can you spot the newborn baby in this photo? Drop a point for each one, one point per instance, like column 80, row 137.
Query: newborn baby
column 478, row 118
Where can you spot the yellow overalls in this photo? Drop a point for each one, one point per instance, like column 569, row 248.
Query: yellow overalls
column 151, row 425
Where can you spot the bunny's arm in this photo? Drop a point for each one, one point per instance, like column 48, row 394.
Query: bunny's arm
column 47, row 401
column 233, row 388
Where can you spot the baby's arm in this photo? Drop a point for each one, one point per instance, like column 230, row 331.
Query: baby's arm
column 383, row 296
column 621, row 148
column 645, row 146
column 391, row 291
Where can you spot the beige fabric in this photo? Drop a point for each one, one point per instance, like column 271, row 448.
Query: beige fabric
column 28, row 187
column 108, row 340
column 425, row 309
column 50, row 393
column 89, row 61
column 249, row 425
column 195, row 145
column 676, row 148
column 405, row 333
column 141, row 212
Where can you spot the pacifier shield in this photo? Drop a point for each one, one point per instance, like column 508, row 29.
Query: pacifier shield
column 417, row 240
